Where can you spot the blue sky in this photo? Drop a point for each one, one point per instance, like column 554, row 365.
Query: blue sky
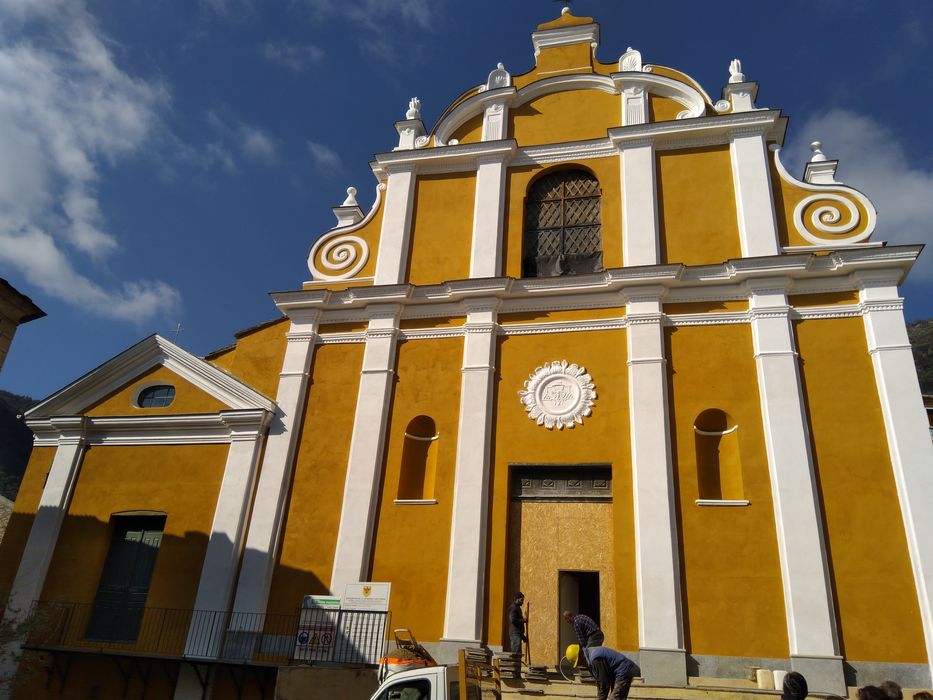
column 172, row 162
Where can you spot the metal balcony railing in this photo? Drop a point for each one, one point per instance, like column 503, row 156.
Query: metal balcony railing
column 305, row 636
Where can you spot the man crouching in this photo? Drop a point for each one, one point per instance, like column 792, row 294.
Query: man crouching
column 613, row 671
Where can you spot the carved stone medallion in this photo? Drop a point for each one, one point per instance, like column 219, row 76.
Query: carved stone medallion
column 558, row 395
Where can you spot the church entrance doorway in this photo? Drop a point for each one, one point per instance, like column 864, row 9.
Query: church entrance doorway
column 561, row 553
column 578, row 592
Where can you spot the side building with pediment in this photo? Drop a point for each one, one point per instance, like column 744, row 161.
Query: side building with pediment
column 591, row 341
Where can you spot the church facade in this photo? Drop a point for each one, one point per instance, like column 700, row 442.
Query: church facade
column 591, row 341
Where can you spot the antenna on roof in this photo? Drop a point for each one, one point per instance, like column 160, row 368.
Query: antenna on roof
column 178, row 329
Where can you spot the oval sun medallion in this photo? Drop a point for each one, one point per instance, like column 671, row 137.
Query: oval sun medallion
column 558, row 395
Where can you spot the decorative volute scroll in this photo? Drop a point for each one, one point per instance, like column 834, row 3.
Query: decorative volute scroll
column 833, row 214
column 499, row 77
column 630, row 61
column 338, row 254
column 558, row 395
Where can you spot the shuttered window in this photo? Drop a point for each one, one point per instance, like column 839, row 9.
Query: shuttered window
column 124, row 584
column 563, row 230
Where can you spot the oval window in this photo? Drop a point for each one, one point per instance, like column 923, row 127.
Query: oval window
column 158, row 396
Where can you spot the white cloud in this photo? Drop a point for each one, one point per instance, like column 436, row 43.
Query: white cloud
column 873, row 160
column 66, row 108
column 252, row 142
column 297, row 57
column 35, row 254
column 324, row 157
column 375, row 17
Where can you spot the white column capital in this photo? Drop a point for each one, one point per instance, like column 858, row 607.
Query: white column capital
column 246, row 424
column 767, row 290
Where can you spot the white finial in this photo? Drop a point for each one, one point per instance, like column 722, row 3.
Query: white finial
column 565, row 11
column 818, row 155
column 350, row 201
column 414, row 109
column 500, row 65
column 735, row 71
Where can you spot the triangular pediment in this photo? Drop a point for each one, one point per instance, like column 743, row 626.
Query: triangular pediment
column 155, row 358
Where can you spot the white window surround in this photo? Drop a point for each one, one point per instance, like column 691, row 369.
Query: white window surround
column 134, row 402
column 722, row 502
column 714, row 433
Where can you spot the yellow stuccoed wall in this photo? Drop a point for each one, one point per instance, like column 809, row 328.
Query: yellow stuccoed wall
column 573, row 115
column 188, row 397
column 257, row 359
column 732, row 589
column 696, row 206
column 603, row 438
column 24, row 510
column 663, row 108
column 606, row 171
column 411, row 546
column 470, row 131
column 306, row 554
column 180, row 480
column 879, row 617
column 442, row 228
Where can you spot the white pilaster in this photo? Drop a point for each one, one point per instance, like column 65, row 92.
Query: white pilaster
column 466, row 571
column 265, row 523
column 219, row 570
column 488, row 214
column 364, row 468
column 53, row 504
column 396, row 227
column 906, row 426
column 753, row 199
column 657, row 556
column 640, row 238
column 811, row 624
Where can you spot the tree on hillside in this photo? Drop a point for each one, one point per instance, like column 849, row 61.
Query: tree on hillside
column 15, row 442
column 921, row 338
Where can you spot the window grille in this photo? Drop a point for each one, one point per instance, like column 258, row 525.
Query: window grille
column 156, row 396
column 563, row 232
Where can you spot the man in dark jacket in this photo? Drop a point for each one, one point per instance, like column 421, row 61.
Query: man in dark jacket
column 517, row 624
column 613, row 672
column 586, row 629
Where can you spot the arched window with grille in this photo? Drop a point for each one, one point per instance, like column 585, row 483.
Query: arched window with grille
column 563, row 230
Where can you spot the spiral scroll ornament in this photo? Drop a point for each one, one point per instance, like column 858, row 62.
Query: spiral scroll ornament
column 339, row 255
column 835, row 215
column 342, row 256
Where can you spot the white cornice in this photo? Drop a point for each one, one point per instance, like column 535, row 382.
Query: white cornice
column 461, row 155
column 713, row 130
column 565, row 36
column 186, row 429
column 684, row 283
column 131, row 363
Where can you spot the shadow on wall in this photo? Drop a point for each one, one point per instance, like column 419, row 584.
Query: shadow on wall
column 84, row 581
